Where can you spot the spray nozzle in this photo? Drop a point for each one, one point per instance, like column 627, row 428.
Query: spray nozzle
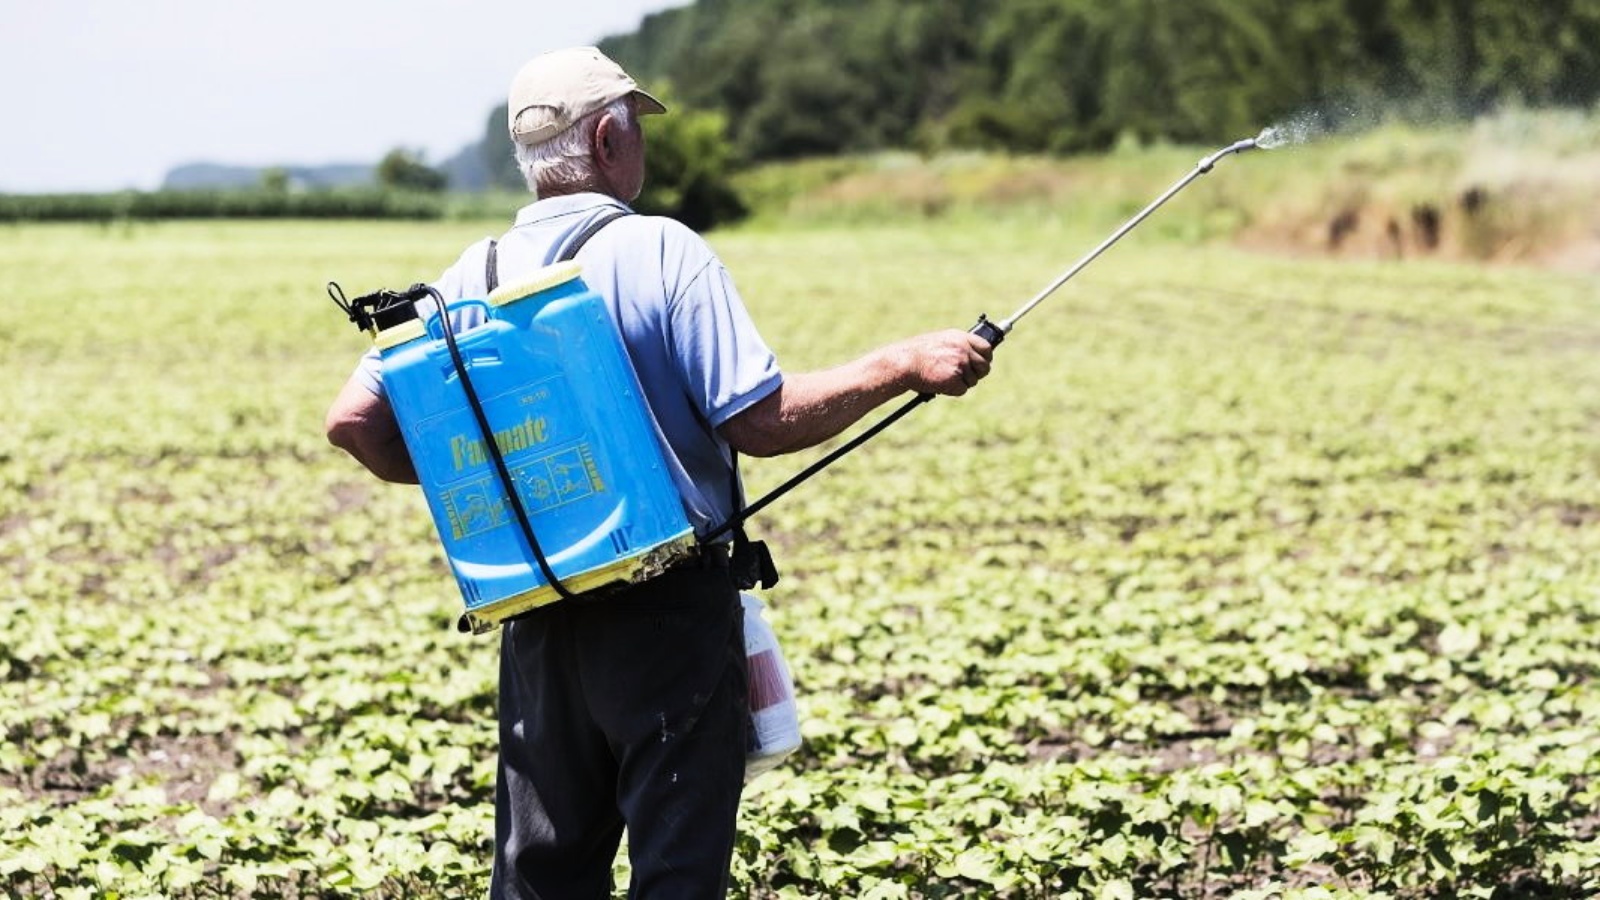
column 1235, row 147
column 1271, row 138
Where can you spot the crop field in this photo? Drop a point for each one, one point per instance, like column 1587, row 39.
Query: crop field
column 1241, row 576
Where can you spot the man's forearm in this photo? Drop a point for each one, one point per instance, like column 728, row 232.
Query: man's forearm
column 363, row 425
column 810, row 408
column 389, row 460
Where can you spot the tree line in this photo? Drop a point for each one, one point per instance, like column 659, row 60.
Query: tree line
column 265, row 202
column 815, row 77
column 753, row 81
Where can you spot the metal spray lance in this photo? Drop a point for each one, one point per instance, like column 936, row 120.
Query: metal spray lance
column 1200, row 168
column 995, row 332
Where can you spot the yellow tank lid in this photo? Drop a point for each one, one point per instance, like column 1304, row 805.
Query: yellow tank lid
column 396, row 335
column 542, row 280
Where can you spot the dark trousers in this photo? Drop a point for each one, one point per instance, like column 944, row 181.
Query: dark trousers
column 628, row 710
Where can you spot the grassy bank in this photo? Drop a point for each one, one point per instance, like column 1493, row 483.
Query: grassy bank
column 1516, row 187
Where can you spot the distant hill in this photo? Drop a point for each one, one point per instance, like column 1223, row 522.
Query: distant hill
column 212, row 176
column 465, row 170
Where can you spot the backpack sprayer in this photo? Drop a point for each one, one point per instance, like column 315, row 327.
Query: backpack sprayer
column 533, row 413
column 995, row 332
column 536, row 413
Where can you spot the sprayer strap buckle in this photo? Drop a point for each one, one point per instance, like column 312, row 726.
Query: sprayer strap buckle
column 708, row 556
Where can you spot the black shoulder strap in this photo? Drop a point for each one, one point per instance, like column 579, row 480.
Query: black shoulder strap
column 591, row 231
column 491, row 271
column 752, row 560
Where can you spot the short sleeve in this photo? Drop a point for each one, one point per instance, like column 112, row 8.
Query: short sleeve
column 369, row 372
column 724, row 364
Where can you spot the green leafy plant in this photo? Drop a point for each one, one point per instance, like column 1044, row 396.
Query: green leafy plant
column 1238, row 576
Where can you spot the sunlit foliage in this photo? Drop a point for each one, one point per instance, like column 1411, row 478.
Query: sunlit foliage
column 1239, row 575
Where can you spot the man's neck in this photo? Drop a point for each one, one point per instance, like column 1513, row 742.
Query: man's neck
column 546, row 191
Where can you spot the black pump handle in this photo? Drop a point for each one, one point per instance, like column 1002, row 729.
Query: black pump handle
column 379, row 309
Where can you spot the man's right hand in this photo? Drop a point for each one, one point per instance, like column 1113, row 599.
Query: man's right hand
column 948, row 362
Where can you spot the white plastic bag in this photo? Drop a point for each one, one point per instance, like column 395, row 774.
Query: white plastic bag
column 774, row 718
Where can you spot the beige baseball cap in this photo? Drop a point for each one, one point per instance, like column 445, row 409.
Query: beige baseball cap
column 556, row 89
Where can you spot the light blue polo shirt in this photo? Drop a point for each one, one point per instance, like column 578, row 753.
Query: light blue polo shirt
column 693, row 345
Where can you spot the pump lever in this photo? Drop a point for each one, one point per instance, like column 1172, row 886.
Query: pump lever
column 355, row 311
column 380, row 309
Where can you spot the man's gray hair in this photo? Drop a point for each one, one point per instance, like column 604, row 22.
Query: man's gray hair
column 565, row 160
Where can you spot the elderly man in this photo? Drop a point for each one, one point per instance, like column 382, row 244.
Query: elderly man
column 631, row 711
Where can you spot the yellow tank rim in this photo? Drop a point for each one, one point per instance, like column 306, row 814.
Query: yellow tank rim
column 541, row 280
column 399, row 334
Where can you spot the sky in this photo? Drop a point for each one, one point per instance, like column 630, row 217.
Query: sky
column 102, row 95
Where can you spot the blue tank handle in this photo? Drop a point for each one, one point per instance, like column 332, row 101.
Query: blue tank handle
column 436, row 323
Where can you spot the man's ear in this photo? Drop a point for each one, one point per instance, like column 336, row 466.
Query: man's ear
column 602, row 136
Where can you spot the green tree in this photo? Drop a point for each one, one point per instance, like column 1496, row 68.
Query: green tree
column 403, row 169
column 688, row 168
column 689, row 163
column 275, row 180
column 1038, row 80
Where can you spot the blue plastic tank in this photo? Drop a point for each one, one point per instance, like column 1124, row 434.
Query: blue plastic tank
column 568, row 415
